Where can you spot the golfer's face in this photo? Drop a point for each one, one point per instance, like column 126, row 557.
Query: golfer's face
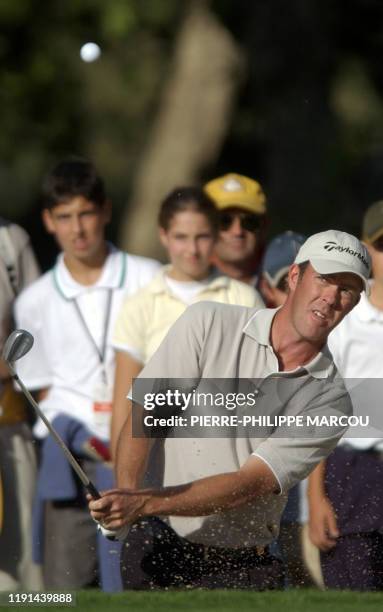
column 319, row 302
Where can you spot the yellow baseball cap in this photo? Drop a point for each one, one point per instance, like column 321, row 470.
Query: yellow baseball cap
column 236, row 190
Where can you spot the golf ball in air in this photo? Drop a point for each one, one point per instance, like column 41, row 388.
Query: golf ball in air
column 90, row 52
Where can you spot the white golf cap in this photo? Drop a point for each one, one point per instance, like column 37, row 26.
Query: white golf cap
column 332, row 252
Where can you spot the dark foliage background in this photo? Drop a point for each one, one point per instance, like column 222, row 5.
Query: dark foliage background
column 308, row 120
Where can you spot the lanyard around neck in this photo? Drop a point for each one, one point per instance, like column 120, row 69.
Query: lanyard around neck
column 100, row 352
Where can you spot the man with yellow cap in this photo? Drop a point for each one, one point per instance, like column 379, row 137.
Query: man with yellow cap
column 242, row 206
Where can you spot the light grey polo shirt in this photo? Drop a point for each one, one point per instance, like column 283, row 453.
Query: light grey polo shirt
column 213, row 340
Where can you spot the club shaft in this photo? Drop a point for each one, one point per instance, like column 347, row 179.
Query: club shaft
column 74, row 463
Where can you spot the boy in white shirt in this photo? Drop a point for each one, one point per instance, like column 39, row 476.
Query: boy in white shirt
column 70, row 311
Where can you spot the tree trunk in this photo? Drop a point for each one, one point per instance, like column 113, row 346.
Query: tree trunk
column 191, row 123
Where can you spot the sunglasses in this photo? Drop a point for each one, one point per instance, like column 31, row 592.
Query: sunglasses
column 249, row 222
column 378, row 244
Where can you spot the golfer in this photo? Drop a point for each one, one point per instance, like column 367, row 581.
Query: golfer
column 221, row 500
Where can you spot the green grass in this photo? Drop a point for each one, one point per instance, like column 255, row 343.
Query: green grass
column 225, row 601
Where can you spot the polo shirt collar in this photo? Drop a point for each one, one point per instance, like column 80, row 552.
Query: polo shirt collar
column 366, row 312
column 258, row 328
column 112, row 275
column 322, row 365
column 159, row 284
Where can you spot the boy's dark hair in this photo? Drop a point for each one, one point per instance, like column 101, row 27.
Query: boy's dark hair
column 70, row 178
column 187, row 198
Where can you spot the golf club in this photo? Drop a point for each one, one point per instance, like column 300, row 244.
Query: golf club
column 17, row 345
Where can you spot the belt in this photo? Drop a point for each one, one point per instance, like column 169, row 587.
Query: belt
column 12, row 406
column 249, row 557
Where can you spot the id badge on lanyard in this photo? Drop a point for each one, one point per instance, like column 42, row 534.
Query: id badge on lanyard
column 102, row 402
column 103, row 390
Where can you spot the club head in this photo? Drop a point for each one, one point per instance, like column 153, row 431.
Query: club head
column 17, row 345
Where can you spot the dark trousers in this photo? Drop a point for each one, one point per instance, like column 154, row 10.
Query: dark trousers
column 154, row 557
column 354, row 485
column 355, row 563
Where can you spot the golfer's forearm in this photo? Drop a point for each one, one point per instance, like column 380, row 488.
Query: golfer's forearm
column 126, row 369
column 131, row 457
column 119, row 415
column 210, row 495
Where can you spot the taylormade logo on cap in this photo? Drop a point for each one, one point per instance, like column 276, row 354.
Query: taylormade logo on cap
column 333, row 252
column 330, row 246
